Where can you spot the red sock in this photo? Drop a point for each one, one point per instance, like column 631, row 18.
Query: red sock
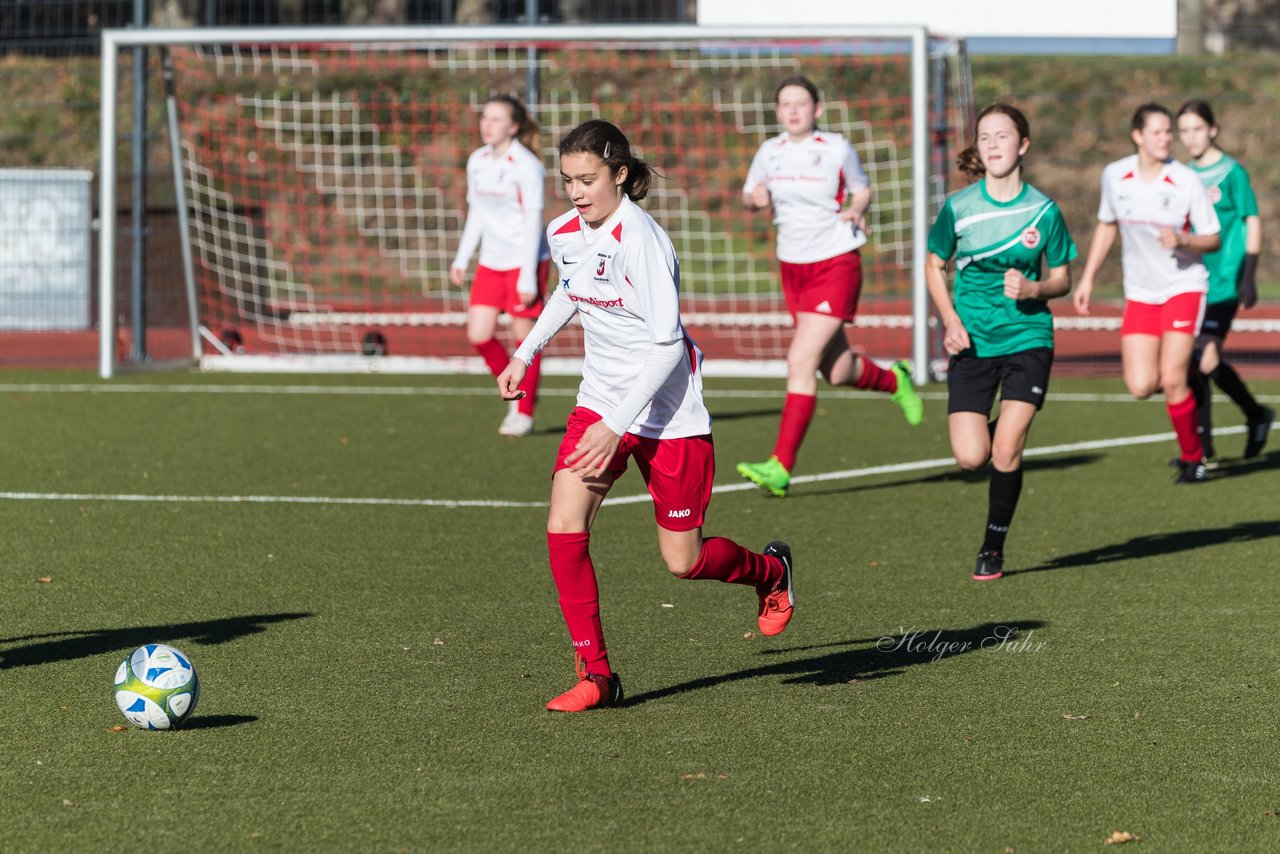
column 797, row 412
column 876, row 378
column 494, row 355
column 724, row 560
column 575, row 578
column 1183, row 416
column 529, row 385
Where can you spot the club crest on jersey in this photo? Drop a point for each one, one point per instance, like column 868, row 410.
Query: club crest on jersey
column 600, row 276
column 1215, row 194
column 1031, row 237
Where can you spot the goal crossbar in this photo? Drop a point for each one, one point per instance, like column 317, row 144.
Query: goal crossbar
column 114, row 40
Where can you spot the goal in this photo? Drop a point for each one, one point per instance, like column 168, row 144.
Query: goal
column 320, row 179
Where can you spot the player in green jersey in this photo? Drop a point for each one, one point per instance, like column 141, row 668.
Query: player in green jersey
column 1001, row 232
column 1233, row 272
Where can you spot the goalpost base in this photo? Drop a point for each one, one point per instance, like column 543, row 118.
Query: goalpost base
column 454, row 365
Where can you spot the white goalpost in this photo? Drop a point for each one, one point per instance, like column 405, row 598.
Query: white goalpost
column 320, row 178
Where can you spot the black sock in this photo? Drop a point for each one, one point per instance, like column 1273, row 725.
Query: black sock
column 1229, row 381
column 1200, row 390
column 1002, row 500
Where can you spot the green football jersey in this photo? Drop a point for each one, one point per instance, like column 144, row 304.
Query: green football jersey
column 1233, row 201
column 986, row 238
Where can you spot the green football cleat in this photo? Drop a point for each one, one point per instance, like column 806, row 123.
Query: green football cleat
column 770, row 474
column 905, row 396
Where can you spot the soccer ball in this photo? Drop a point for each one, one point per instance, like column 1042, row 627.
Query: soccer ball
column 156, row 687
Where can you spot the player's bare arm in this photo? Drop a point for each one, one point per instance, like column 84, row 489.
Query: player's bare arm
column 956, row 337
column 1104, row 237
column 856, row 212
column 1171, row 238
column 1018, row 286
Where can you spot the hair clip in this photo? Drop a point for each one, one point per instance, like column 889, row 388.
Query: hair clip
column 606, row 150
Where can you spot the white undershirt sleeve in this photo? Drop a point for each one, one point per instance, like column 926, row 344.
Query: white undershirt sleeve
column 659, row 362
column 531, row 248
column 855, row 177
column 470, row 239
column 1106, row 208
column 532, row 192
column 557, row 311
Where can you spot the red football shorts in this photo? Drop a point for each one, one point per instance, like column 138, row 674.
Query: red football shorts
column 1181, row 313
column 824, row 287
column 678, row 472
column 497, row 288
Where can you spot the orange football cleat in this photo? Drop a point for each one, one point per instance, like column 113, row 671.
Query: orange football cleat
column 777, row 606
column 593, row 691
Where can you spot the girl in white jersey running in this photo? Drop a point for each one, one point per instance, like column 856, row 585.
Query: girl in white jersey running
column 806, row 176
column 640, row 398
column 505, row 189
column 1165, row 219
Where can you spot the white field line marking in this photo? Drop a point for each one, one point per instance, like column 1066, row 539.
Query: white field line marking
column 263, row 499
column 847, row 474
column 464, row 391
column 948, row 462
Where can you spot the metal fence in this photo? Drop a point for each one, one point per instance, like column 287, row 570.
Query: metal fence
column 70, row 27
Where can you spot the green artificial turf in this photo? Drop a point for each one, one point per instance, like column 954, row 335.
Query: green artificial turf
column 373, row 675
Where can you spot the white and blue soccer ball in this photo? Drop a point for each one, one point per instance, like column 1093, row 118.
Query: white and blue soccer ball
column 156, row 687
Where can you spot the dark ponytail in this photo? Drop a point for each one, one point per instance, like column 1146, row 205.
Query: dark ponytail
column 969, row 161
column 605, row 141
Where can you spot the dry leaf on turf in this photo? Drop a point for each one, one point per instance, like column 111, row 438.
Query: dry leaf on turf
column 117, row 728
column 1120, row 837
column 45, row 579
column 1067, row 717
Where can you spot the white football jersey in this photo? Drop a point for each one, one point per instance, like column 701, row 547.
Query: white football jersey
column 504, row 212
column 622, row 281
column 1176, row 199
column 808, row 183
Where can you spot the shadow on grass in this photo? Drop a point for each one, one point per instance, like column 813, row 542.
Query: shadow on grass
column 772, row 412
column 956, row 475
column 1154, row 545
column 64, row 646
column 216, row 721
column 865, row 659
column 1237, row 466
